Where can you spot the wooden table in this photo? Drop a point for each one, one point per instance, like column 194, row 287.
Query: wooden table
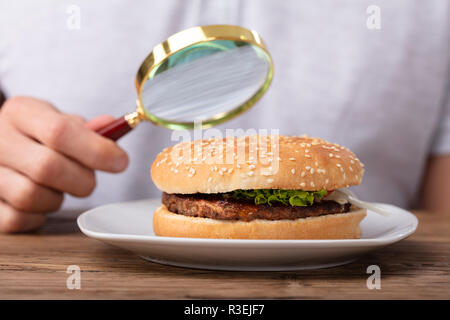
column 33, row 266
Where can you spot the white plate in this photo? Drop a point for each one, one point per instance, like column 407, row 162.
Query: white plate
column 128, row 225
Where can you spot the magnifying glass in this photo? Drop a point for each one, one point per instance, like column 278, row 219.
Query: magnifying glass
column 208, row 73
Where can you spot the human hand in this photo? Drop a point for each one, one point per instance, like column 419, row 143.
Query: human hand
column 44, row 154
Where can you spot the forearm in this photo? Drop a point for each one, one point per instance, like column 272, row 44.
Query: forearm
column 435, row 191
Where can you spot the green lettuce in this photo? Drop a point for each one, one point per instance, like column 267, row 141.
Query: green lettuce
column 297, row 198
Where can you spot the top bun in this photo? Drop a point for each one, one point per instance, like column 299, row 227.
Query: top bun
column 255, row 162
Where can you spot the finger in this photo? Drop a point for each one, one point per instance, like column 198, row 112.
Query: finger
column 12, row 220
column 59, row 132
column 25, row 195
column 99, row 122
column 45, row 166
column 77, row 118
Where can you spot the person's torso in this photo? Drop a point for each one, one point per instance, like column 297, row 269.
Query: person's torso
column 378, row 92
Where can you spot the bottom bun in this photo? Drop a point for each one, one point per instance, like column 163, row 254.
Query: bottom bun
column 333, row 226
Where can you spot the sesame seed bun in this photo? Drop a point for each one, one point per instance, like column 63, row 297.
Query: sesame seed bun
column 224, row 165
column 333, row 226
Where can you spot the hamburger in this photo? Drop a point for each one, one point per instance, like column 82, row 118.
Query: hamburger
column 257, row 187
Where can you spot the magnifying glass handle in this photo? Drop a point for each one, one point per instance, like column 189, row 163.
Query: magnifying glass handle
column 116, row 129
column 121, row 126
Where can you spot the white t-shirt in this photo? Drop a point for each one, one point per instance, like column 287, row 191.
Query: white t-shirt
column 383, row 93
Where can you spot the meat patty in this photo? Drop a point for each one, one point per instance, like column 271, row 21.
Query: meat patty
column 218, row 207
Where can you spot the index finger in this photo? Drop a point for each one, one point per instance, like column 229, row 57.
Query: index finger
column 62, row 133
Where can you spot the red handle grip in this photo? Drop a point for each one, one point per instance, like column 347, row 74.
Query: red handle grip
column 116, row 129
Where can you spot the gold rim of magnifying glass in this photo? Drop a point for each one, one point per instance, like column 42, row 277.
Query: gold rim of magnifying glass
column 187, row 38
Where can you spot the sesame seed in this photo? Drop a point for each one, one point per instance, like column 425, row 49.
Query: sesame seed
column 292, row 159
column 307, row 167
column 293, row 171
column 330, row 155
column 303, row 173
column 250, row 173
column 307, row 155
column 326, row 181
column 209, row 179
column 270, row 180
column 312, row 184
column 302, row 184
column 312, row 170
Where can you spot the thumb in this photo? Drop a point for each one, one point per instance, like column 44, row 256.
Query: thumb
column 99, row 122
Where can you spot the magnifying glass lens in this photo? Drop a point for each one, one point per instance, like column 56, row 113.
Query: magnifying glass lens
column 205, row 81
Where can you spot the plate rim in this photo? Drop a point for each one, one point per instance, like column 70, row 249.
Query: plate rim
column 240, row 242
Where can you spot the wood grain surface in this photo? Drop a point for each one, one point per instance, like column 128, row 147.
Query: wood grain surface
column 33, row 266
